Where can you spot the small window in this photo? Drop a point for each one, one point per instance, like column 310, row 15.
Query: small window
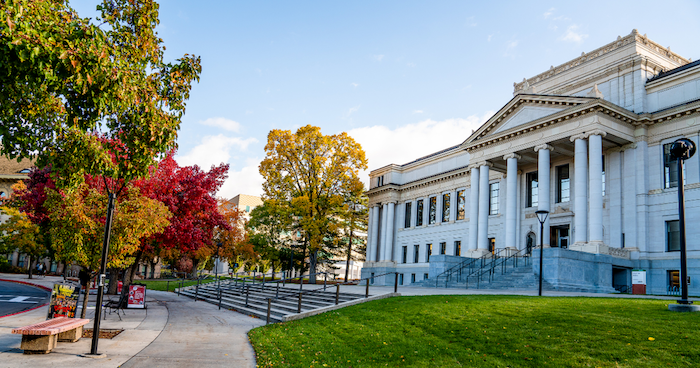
column 674, row 282
column 446, row 207
column 458, row 247
column 432, row 210
column 413, row 277
column 460, row 205
column 563, row 184
column 428, row 251
column 372, row 282
column 405, row 254
column 416, row 253
column 493, row 203
column 400, row 279
column 532, row 189
column 443, row 248
column 247, row 208
column 492, row 245
column 407, row 216
column 419, row 212
column 425, row 276
column 673, row 236
column 603, row 176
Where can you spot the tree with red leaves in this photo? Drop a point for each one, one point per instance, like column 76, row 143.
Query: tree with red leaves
column 189, row 193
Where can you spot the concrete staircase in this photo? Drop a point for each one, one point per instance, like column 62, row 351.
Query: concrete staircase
column 252, row 298
column 501, row 277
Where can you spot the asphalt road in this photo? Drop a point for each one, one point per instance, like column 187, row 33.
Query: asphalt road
column 16, row 297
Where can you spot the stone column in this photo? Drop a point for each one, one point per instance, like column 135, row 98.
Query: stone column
column 613, row 191
column 389, row 234
column 370, row 234
column 438, row 208
column 511, row 198
column 595, row 186
column 629, row 197
column 483, row 228
column 382, row 238
column 453, row 206
column 642, row 193
column 473, row 209
column 543, row 194
column 580, row 189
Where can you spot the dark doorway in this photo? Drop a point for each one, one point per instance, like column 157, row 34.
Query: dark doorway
column 530, row 242
column 559, row 236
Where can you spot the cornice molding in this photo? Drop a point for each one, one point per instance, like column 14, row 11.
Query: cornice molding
column 633, row 37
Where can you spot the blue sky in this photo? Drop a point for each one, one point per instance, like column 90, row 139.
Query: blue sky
column 404, row 78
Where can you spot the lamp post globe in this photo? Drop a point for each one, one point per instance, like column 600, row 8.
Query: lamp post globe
column 541, row 217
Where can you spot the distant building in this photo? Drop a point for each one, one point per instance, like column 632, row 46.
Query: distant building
column 245, row 203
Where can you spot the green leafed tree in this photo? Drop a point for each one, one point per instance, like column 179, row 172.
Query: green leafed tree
column 308, row 174
column 64, row 79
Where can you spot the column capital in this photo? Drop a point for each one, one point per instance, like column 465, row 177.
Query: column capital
column 485, row 163
column 512, row 155
column 596, row 132
column 577, row 136
column 629, row 146
column 543, row 146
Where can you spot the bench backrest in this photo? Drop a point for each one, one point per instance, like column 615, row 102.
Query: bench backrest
column 52, row 326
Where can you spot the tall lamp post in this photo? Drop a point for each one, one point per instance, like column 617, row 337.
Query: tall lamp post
column 218, row 261
column 681, row 150
column 541, row 217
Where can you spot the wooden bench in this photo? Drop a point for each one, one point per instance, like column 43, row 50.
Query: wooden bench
column 42, row 337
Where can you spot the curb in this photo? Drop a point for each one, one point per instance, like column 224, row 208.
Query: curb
column 30, row 284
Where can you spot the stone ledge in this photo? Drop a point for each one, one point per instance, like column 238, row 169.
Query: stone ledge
column 293, row 317
column 684, row 308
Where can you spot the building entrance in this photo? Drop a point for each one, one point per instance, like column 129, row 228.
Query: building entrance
column 560, row 236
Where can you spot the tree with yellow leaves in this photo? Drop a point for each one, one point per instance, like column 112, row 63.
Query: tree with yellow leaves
column 310, row 174
column 18, row 232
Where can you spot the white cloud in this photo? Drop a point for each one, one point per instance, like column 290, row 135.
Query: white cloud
column 384, row 146
column 510, row 48
column 488, row 39
column 213, row 150
column 353, row 110
column 411, row 65
column 548, row 13
column 417, row 111
column 572, row 35
column 247, row 180
column 378, row 57
column 355, row 84
column 223, row 123
column 471, row 22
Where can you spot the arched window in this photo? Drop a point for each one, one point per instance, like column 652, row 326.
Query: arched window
column 530, row 242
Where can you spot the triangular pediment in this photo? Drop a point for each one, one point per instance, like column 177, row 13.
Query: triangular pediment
column 523, row 109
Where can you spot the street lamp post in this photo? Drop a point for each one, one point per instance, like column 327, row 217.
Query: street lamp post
column 541, row 217
column 682, row 149
column 218, row 261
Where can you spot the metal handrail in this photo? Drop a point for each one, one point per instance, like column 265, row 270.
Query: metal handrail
column 492, row 269
column 489, row 256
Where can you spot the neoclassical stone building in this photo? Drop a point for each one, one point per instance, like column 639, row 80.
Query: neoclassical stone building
column 586, row 140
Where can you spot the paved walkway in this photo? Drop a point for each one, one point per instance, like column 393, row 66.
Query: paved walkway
column 178, row 332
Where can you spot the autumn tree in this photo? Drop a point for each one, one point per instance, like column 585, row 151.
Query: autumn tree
column 18, row 232
column 355, row 219
column 308, row 173
column 235, row 246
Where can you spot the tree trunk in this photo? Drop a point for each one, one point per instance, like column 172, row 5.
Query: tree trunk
column 86, row 296
column 195, row 265
column 153, row 262
column 312, row 260
column 31, row 266
column 113, row 281
column 129, row 275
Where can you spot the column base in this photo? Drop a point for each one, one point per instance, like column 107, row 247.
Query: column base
column 477, row 253
column 598, row 247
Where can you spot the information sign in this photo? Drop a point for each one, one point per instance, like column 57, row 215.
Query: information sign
column 137, row 296
column 639, row 281
column 64, row 301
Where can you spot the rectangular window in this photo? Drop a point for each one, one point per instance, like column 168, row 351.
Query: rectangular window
column 416, row 253
column 413, row 278
column 532, row 183
column 493, row 203
column 419, row 213
column 603, row 176
column 446, row 207
column 671, row 169
column 460, row 205
column 563, row 184
column 443, row 248
column 372, row 278
column 400, row 279
column 673, row 236
column 432, row 212
column 407, row 216
column 458, row 247
column 428, row 251
column 492, row 245
column 405, row 254
column 674, row 282
column 425, row 276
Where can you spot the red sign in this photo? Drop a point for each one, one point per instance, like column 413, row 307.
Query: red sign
column 137, row 296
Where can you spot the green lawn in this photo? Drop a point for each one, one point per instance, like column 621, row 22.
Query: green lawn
column 163, row 284
column 486, row 331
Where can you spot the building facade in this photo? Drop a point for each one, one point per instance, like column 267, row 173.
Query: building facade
column 589, row 142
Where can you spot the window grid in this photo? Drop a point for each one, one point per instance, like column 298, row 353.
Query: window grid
column 458, row 247
column 400, row 279
column 428, row 251
column 432, row 212
column 405, row 254
column 419, row 213
column 407, row 216
column 460, row 205
column 493, row 203
column 446, row 207
column 443, row 248
column 532, row 189
column 416, row 253
column 673, row 236
column 563, row 184
column 413, row 277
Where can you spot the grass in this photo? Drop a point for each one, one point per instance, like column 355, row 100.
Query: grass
column 486, row 331
column 161, row 285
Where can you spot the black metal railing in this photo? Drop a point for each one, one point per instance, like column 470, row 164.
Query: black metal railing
column 516, row 259
column 673, row 290
column 622, row 288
